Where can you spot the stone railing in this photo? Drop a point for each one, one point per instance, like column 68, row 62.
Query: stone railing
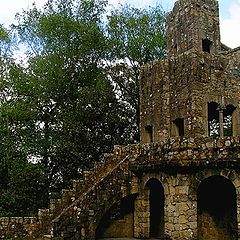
column 33, row 227
column 189, row 153
column 109, row 185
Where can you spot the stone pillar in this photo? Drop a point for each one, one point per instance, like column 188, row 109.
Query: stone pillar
column 205, row 119
column 221, row 122
column 235, row 123
column 181, row 211
column 141, row 218
column 238, row 210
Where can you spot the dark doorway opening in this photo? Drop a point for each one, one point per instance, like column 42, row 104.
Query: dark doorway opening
column 217, row 209
column 206, row 45
column 118, row 221
column 156, row 199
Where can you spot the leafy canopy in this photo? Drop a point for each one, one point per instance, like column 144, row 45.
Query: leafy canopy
column 75, row 98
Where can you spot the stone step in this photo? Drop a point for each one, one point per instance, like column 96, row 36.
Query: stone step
column 77, row 186
column 46, row 237
column 86, row 175
column 55, row 203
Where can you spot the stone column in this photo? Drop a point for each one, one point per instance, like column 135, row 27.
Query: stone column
column 235, row 122
column 181, row 211
column 238, row 209
column 221, row 123
column 141, row 218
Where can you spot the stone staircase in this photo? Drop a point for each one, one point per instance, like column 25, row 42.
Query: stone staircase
column 76, row 214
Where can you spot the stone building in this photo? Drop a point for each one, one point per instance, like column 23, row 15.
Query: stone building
column 182, row 182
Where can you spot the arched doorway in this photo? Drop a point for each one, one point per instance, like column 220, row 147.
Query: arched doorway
column 118, row 221
column 217, row 209
column 156, row 200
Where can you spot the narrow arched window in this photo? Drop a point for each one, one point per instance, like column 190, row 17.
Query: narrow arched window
column 213, row 119
column 149, row 133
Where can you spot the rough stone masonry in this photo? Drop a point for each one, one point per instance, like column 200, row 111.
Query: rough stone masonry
column 182, row 182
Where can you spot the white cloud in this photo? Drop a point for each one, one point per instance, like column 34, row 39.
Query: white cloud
column 9, row 8
column 230, row 26
column 167, row 4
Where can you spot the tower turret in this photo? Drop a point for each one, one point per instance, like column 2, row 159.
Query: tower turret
column 195, row 92
column 193, row 26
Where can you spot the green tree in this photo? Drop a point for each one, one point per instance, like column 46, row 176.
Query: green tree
column 75, row 98
column 136, row 36
column 21, row 181
column 5, row 54
column 77, row 114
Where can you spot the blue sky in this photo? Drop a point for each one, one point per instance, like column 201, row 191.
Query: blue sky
column 229, row 14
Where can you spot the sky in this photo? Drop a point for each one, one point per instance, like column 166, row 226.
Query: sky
column 229, row 14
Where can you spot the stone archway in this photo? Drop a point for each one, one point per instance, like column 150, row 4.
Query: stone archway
column 156, row 208
column 217, row 209
column 118, row 221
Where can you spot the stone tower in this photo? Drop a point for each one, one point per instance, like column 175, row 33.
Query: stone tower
column 195, row 92
column 193, row 26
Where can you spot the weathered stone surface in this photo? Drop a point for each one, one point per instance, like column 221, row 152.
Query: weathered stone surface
column 176, row 159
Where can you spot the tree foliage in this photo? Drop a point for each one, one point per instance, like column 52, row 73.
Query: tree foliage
column 21, row 182
column 136, row 36
column 77, row 114
column 75, row 98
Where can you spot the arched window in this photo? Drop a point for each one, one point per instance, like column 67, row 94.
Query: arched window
column 149, row 133
column 228, row 120
column 214, row 121
column 178, row 127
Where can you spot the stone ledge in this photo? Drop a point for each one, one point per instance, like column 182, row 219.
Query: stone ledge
column 183, row 166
